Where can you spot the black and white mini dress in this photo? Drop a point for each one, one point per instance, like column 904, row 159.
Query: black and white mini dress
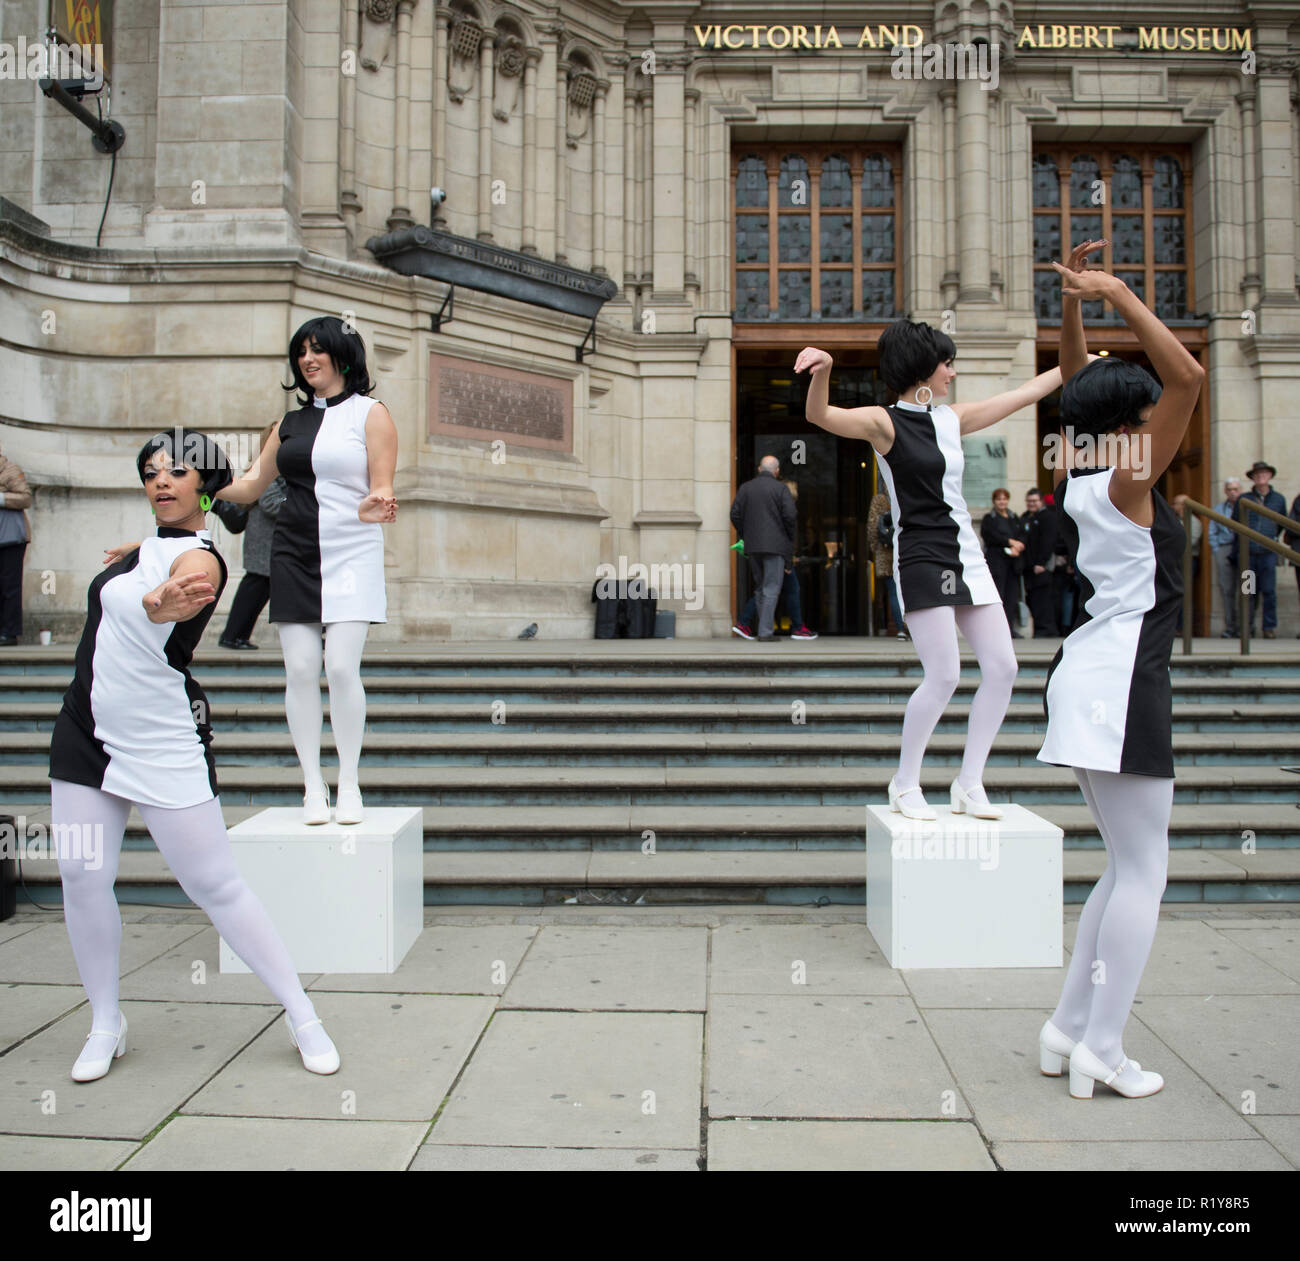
column 134, row 722
column 326, row 564
column 938, row 559
column 1108, row 697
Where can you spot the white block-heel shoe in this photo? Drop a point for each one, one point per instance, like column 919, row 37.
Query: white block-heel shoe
column 87, row 1069
column 347, row 804
column 899, row 806
column 316, row 804
column 1055, row 1047
column 1086, row 1068
column 327, row 1061
column 964, row 803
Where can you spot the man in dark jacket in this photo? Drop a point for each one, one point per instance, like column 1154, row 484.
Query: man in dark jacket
column 764, row 516
column 1260, row 559
column 1039, row 525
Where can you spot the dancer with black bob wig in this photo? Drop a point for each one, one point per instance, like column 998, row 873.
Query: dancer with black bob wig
column 1108, row 696
column 134, row 729
column 941, row 576
column 337, row 453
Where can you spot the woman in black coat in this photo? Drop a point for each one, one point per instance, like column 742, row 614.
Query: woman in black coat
column 1000, row 531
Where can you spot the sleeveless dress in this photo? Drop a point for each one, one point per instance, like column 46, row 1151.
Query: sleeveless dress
column 326, row 565
column 1108, row 698
column 134, row 723
column 937, row 558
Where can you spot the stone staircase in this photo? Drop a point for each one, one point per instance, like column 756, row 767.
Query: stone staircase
column 546, row 771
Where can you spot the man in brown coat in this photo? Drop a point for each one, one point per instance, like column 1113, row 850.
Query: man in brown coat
column 15, row 534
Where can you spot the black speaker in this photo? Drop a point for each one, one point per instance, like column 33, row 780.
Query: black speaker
column 8, row 866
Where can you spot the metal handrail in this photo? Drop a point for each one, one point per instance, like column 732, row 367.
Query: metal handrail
column 1243, row 600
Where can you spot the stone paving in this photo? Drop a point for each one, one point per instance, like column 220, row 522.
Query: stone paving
column 647, row 1038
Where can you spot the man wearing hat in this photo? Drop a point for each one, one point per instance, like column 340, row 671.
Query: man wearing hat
column 1261, row 560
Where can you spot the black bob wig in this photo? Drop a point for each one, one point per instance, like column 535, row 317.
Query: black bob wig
column 194, row 449
column 910, row 352
column 1104, row 395
column 345, row 348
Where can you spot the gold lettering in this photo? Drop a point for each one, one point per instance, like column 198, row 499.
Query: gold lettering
column 726, row 36
column 1226, row 45
column 891, row 32
column 1148, row 37
column 1187, row 38
column 1026, row 39
column 865, row 39
column 1076, row 37
column 1058, row 37
column 755, row 28
column 771, row 36
column 1091, row 39
column 912, row 36
column 704, row 33
column 1110, row 35
column 833, row 38
column 801, row 37
column 1241, row 39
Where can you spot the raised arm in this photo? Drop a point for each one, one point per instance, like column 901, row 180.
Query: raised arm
column 261, row 473
column 1074, row 343
column 989, row 411
column 871, row 424
column 1180, row 376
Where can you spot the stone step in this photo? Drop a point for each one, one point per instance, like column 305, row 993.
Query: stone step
column 794, row 745
column 524, row 829
column 250, row 716
column 724, row 876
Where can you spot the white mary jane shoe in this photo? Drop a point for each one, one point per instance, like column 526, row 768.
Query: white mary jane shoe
column 86, row 1069
column 347, row 804
column 963, row 803
column 325, row 1063
column 899, row 806
column 1086, row 1068
column 316, row 804
column 1054, row 1047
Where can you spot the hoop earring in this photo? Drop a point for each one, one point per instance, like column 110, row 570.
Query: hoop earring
column 929, row 394
column 204, row 502
column 345, row 369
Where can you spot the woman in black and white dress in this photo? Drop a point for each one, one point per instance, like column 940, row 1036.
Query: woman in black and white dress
column 337, row 454
column 134, row 729
column 942, row 577
column 1108, row 696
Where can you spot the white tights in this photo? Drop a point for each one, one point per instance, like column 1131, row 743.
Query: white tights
column 1118, row 921
column 194, row 844
column 301, row 645
column 934, row 632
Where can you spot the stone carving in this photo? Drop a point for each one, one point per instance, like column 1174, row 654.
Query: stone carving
column 376, row 32
column 510, row 56
column 463, row 44
column 582, row 92
column 482, row 401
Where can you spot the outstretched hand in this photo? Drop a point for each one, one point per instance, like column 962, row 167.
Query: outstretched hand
column 1090, row 283
column 1078, row 259
column 380, row 508
column 113, row 554
column 179, row 598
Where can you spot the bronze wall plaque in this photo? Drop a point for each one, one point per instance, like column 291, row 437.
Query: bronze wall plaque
column 486, row 402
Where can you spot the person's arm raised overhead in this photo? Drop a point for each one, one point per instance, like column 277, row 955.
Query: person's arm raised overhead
column 1074, row 342
column 1180, row 376
column 988, row 411
column 871, row 424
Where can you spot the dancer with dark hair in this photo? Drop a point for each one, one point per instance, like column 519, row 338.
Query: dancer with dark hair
column 1108, row 697
column 134, row 730
column 942, row 577
column 337, row 454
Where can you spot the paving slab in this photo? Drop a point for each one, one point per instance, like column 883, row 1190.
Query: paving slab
column 191, row 973
column 172, row 1049
column 26, row 1008
column 1192, row 957
column 590, row 968
column 16, row 929
column 1245, row 1155
column 994, row 1056
column 985, row 987
column 45, row 954
column 1283, row 1133
column 399, row 1055
column 1278, row 944
column 467, row 958
column 28, row 1152
column 794, row 959
column 1243, row 1045
column 825, row 1057
column 846, row 1145
column 580, row 1079
column 457, row 1159
column 208, row 1143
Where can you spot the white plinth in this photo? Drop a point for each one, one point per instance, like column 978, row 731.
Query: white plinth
column 962, row 892
column 344, row 898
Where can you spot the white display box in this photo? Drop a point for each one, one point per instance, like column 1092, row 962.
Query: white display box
column 961, row 892
column 343, row 897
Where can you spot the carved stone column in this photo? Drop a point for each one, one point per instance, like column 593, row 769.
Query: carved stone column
column 441, row 57
column 485, row 94
column 400, row 217
column 529, row 235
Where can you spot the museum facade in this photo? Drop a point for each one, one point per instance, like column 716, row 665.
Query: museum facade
column 583, row 244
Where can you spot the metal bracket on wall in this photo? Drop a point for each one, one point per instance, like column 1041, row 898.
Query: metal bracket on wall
column 438, row 318
column 581, row 348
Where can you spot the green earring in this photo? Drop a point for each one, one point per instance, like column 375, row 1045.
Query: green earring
column 153, row 510
column 204, row 502
column 345, row 369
